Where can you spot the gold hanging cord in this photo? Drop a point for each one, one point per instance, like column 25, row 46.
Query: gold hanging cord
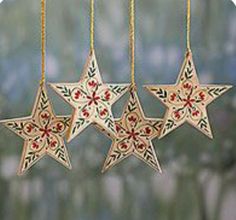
column 188, row 26
column 132, row 41
column 91, row 25
column 43, row 40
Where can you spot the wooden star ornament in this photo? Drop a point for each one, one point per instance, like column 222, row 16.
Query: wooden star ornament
column 186, row 101
column 91, row 99
column 42, row 132
column 134, row 133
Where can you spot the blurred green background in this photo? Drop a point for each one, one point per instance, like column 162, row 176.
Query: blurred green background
column 199, row 180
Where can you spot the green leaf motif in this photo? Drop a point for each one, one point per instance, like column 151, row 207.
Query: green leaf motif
column 92, row 69
column 114, row 157
column 78, row 124
column 65, row 91
column 110, row 124
column 162, row 93
column 43, row 101
column 189, row 71
column 32, row 156
column 60, row 153
column 118, row 90
column 216, row 91
column 16, row 126
column 203, row 124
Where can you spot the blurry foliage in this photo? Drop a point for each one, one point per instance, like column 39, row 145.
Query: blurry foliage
column 199, row 174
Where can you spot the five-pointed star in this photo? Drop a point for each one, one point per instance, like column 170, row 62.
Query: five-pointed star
column 134, row 133
column 43, row 133
column 187, row 100
column 91, row 99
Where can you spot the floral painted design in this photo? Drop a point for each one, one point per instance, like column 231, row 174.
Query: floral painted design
column 134, row 133
column 43, row 133
column 187, row 100
column 91, row 99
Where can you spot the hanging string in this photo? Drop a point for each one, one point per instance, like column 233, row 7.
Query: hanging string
column 91, row 25
column 43, row 40
column 132, row 41
column 188, row 25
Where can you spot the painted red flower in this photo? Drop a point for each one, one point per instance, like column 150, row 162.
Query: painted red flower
column 187, row 86
column 45, row 116
column 85, row 113
column 45, row 131
column 93, row 99
column 107, row 95
column 196, row 113
column 29, row 128
column 141, row 146
column 92, row 84
column 53, row 144
column 173, row 96
column 124, row 146
column 118, row 128
column 103, row 112
column 177, row 114
column 59, row 127
column 77, row 94
column 148, row 130
column 202, row 96
column 35, row 145
column 188, row 102
column 132, row 119
column 132, row 134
